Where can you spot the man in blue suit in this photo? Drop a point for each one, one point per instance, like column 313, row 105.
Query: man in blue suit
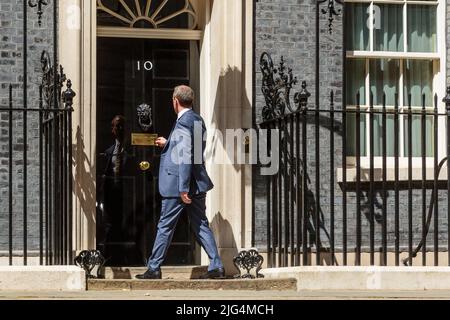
column 183, row 184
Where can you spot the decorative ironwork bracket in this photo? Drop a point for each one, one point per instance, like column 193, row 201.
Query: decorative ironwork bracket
column 88, row 260
column 248, row 260
column 332, row 12
column 68, row 95
column 277, row 84
column 49, row 83
column 301, row 98
column 446, row 99
column 40, row 10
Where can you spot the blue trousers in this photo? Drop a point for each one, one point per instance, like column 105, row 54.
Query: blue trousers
column 170, row 212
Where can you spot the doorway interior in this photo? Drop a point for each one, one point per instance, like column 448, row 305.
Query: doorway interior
column 135, row 79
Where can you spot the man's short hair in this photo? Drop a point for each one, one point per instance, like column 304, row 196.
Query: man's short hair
column 185, row 96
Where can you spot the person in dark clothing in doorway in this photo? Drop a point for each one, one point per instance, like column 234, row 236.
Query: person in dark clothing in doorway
column 112, row 189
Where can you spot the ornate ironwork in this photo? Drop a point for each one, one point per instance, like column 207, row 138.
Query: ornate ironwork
column 49, row 82
column 144, row 114
column 446, row 99
column 248, row 260
column 332, row 12
column 277, row 84
column 68, row 95
column 39, row 5
column 301, row 98
column 276, row 87
column 88, row 260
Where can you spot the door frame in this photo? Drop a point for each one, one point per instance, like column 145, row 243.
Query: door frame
column 193, row 36
column 225, row 49
column 78, row 34
column 162, row 34
column 190, row 46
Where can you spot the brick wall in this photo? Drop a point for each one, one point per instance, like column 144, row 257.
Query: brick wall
column 287, row 28
column 11, row 72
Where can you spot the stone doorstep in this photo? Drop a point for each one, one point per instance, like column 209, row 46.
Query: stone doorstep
column 168, row 272
column 232, row 284
column 364, row 278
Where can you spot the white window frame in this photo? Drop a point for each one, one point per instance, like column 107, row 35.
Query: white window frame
column 439, row 81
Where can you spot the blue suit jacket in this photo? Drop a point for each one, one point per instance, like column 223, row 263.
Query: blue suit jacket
column 182, row 167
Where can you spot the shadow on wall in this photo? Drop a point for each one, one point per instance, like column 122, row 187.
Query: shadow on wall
column 219, row 225
column 313, row 209
column 84, row 182
column 228, row 113
column 315, row 213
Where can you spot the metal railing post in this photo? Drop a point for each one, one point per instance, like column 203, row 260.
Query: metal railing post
column 446, row 100
column 67, row 97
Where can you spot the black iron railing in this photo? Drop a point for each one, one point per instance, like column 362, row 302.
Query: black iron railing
column 344, row 190
column 54, row 178
column 36, row 138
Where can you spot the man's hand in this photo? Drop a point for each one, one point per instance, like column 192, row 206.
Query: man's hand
column 161, row 142
column 185, row 198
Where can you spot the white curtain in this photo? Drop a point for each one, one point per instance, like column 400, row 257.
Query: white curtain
column 421, row 28
column 418, row 81
column 384, row 77
column 384, row 74
column 351, row 134
column 417, row 136
column 356, row 29
column 378, row 135
column 356, row 74
column 388, row 27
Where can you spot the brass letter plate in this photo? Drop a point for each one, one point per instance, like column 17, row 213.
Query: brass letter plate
column 143, row 139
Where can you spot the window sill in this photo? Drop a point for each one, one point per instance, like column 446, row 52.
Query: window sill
column 390, row 174
column 393, row 55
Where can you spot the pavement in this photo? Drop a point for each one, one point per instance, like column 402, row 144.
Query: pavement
column 224, row 295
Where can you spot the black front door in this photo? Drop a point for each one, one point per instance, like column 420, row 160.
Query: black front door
column 136, row 78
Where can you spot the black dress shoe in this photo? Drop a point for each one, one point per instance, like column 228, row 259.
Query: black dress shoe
column 214, row 274
column 149, row 274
